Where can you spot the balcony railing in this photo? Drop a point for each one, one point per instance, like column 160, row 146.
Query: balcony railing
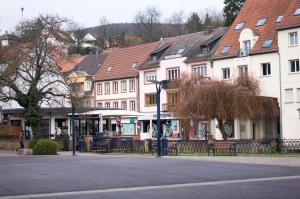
column 244, row 52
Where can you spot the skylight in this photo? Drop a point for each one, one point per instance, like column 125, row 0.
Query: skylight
column 268, row 43
column 180, row 51
column 279, row 19
column 239, row 26
column 261, row 22
column 134, row 65
column 109, row 68
column 226, row 49
column 297, row 12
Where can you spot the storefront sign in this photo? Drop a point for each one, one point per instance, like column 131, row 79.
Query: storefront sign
column 131, row 120
column 163, row 115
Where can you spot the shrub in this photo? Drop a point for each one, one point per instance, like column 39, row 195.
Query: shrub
column 45, row 147
column 32, row 143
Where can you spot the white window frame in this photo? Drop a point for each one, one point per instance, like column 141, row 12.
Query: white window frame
column 173, row 73
column 115, row 86
column 297, row 69
column 132, row 85
column 107, row 104
column 115, row 104
column 298, row 95
column 124, row 86
column 107, row 87
column 289, row 95
column 148, row 76
column 226, row 73
column 243, row 70
column 132, row 105
column 99, row 88
column 200, row 70
column 268, row 69
column 99, row 104
column 293, row 39
column 88, row 85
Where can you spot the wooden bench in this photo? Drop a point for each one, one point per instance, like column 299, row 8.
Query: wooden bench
column 172, row 149
column 222, row 146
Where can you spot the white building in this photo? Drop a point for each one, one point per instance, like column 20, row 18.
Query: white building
column 263, row 43
column 116, row 85
column 173, row 58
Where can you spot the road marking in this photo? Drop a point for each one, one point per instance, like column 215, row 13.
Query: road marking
column 147, row 188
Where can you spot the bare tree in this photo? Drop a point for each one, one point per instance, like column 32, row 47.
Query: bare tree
column 29, row 74
column 175, row 24
column 205, row 100
column 148, row 22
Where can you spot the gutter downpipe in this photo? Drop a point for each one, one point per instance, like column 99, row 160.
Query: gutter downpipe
column 280, row 95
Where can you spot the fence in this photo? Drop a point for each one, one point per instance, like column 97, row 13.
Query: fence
column 201, row 146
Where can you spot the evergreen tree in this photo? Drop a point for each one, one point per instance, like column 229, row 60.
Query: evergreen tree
column 194, row 23
column 231, row 10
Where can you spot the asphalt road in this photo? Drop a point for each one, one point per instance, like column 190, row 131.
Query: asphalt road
column 142, row 177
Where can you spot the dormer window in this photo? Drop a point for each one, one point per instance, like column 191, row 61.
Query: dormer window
column 180, row 51
column 297, row 12
column 204, row 49
column 261, row 22
column 268, row 43
column 239, row 26
column 153, row 57
column 109, row 68
column 226, row 49
column 279, row 19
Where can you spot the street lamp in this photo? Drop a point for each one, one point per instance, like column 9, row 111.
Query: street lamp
column 159, row 85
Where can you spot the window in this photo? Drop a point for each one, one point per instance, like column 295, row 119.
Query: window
column 243, row 70
column 173, row 73
column 107, row 104
column 200, row 70
column 173, row 98
column 115, row 87
column 149, row 76
column 204, row 49
column 239, row 26
column 298, row 94
column 109, row 68
column 132, row 85
column 293, row 38
column 297, row 12
column 289, row 95
column 132, row 105
column 99, row 88
column 279, row 19
column 226, row 73
column 88, row 85
column 99, row 104
column 124, row 105
column 294, row 66
column 134, row 65
column 247, row 45
column 115, row 104
column 261, row 22
column 266, row 69
column 107, row 88
column 226, row 49
column 123, row 86
column 267, row 43
column 88, row 103
column 150, row 99
column 180, row 51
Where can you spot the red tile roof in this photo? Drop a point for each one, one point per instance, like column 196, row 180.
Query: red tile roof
column 121, row 60
column 290, row 20
column 69, row 63
column 252, row 11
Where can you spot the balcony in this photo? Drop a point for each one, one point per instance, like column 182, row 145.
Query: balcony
column 244, row 52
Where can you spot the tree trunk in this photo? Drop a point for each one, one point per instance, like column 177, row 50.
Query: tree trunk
column 33, row 117
column 222, row 129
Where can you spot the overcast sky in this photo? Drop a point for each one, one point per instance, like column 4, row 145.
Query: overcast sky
column 88, row 12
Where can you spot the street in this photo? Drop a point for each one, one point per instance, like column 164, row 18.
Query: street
column 117, row 176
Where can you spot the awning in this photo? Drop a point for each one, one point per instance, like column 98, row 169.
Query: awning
column 111, row 113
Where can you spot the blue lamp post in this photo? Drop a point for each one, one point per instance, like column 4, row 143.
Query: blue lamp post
column 159, row 85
